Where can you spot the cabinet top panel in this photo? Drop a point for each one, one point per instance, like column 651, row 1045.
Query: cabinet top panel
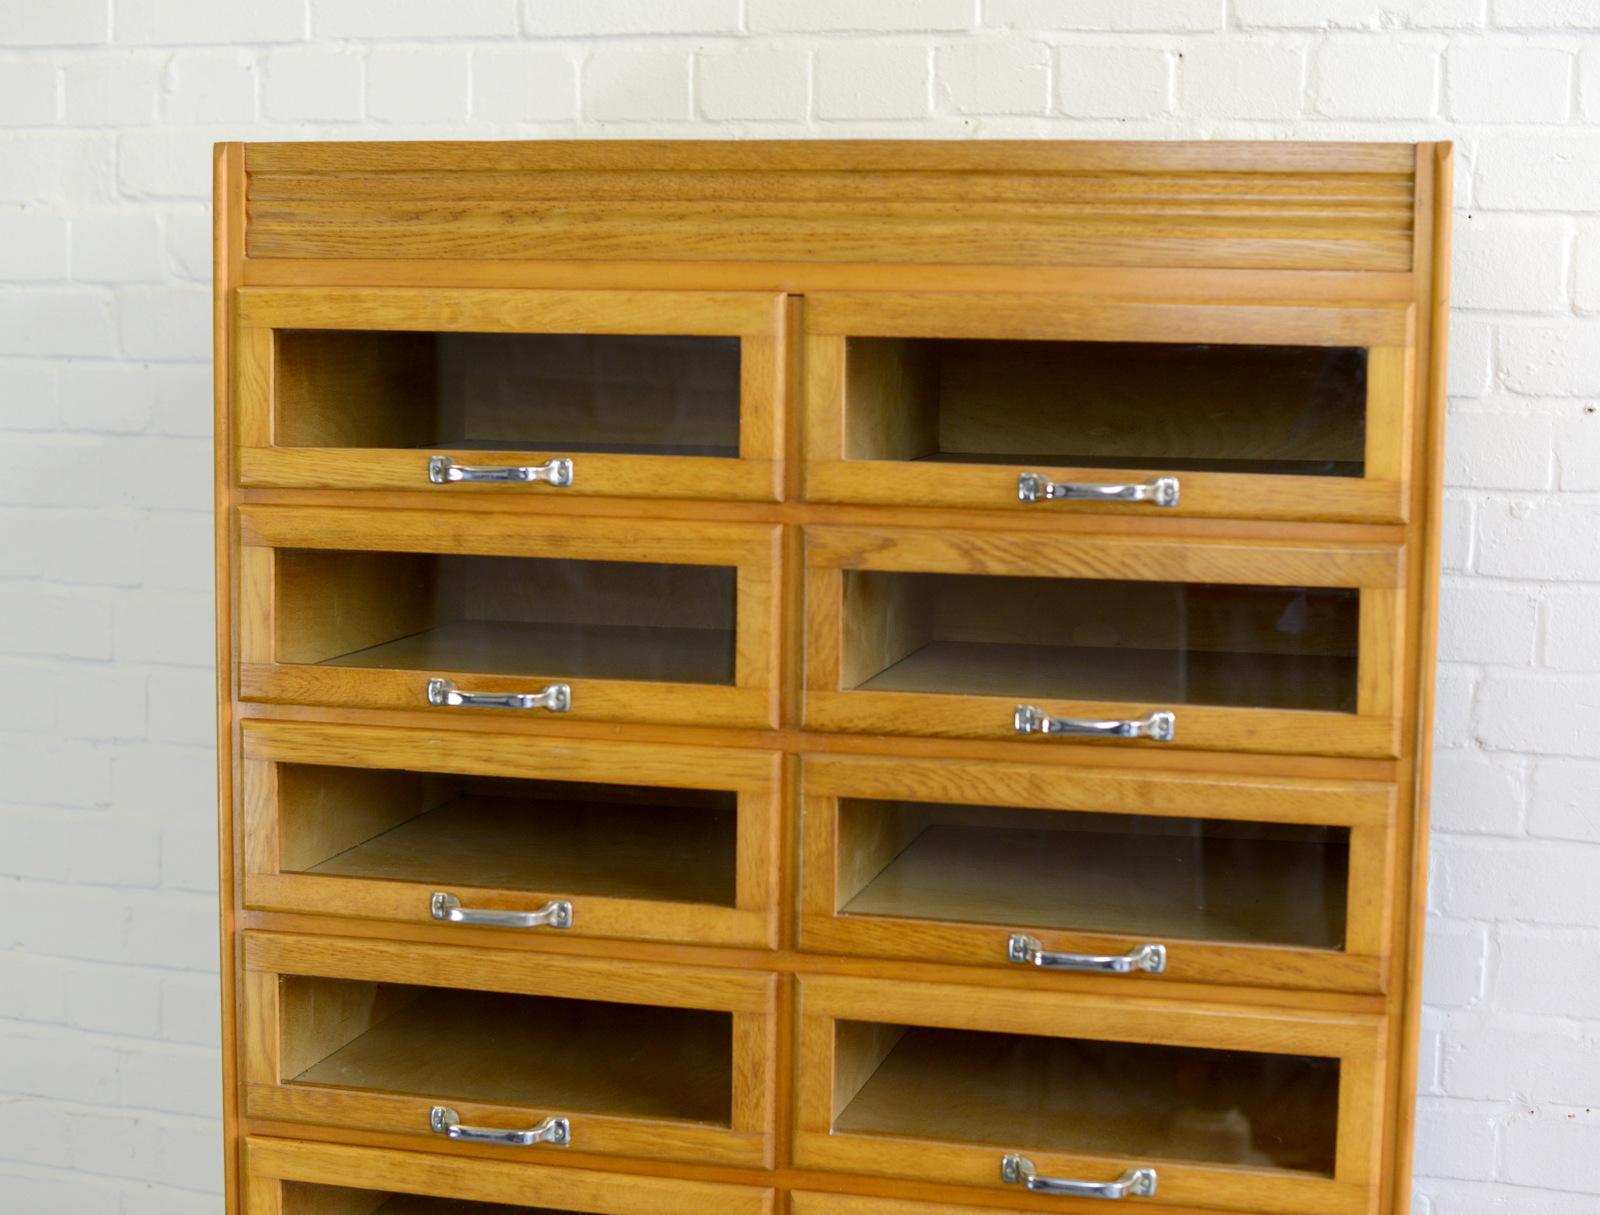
column 1268, row 205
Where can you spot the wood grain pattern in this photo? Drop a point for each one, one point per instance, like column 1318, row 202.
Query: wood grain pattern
column 835, row 265
column 1303, row 206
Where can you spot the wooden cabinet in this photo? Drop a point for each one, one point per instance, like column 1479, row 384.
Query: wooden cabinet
column 830, row 678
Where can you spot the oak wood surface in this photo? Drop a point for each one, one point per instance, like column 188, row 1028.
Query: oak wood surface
column 1327, row 243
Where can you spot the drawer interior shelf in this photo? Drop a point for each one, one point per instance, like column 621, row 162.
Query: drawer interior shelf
column 1148, row 1102
column 507, row 615
column 1162, row 643
column 1297, row 410
column 626, row 394
column 302, row 1199
column 1167, row 879
column 615, row 841
column 579, row 1056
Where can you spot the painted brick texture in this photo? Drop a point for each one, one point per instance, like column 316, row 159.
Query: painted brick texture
column 108, row 108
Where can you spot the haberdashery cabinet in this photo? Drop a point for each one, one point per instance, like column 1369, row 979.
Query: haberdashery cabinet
column 838, row 678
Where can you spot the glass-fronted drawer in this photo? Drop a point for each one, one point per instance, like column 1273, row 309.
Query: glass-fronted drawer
column 1250, row 646
column 1196, row 1106
column 566, row 837
column 587, row 618
column 1045, row 403
column 662, row 394
column 455, row 1044
column 1139, row 877
column 296, row 1177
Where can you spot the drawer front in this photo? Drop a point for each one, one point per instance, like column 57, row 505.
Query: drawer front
column 660, row 394
column 1199, row 1106
column 1046, row 404
column 449, row 1043
column 1142, row 879
column 463, row 613
column 528, row 835
column 289, row 1177
column 1063, row 640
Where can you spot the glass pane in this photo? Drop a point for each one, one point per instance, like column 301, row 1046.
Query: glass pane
column 1165, row 407
column 1151, row 1103
column 302, row 1199
column 571, row 1055
column 1154, row 643
column 613, row 841
column 1124, row 874
column 507, row 615
column 509, row 391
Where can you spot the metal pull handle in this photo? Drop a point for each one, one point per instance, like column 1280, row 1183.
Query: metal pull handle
column 1036, row 487
column 557, row 913
column 1158, row 726
column 557, row 697
column 1135, row 1183
column 445, row 1121
column 1027, row 951
column 442, row 470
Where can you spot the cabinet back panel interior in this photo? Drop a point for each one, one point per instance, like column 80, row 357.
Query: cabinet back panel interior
column 539, row 1051
column 507, row 615
column 1184, row 408
column 642, row 395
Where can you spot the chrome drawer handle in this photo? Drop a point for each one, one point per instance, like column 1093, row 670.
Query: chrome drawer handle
column 445, row 1121
column 557, row 697
column 1027, row 951
column 557, row 913
column 1135, row 1183
column 442, row 470
column 1159, row 726
column 1036, row 487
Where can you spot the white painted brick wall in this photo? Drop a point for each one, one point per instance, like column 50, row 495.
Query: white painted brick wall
column 108, row 1077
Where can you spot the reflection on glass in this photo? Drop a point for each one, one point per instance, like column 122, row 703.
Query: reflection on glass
column 1150, row 1103
column 509, row 391
column 592, row 1056
column 1161, row 406
column 1078, row 639
column 611, row 841
column 507, row 615
column 1122, row 874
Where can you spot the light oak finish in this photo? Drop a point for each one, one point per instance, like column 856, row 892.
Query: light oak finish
column 863, row 1099
column 917, row 399
column 867, row 889
column 348, row 1034
column 322, row 585
column 898, row 658
column 344, row 821
column 347, row 409
column 907, row 318
column 1323, row 207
